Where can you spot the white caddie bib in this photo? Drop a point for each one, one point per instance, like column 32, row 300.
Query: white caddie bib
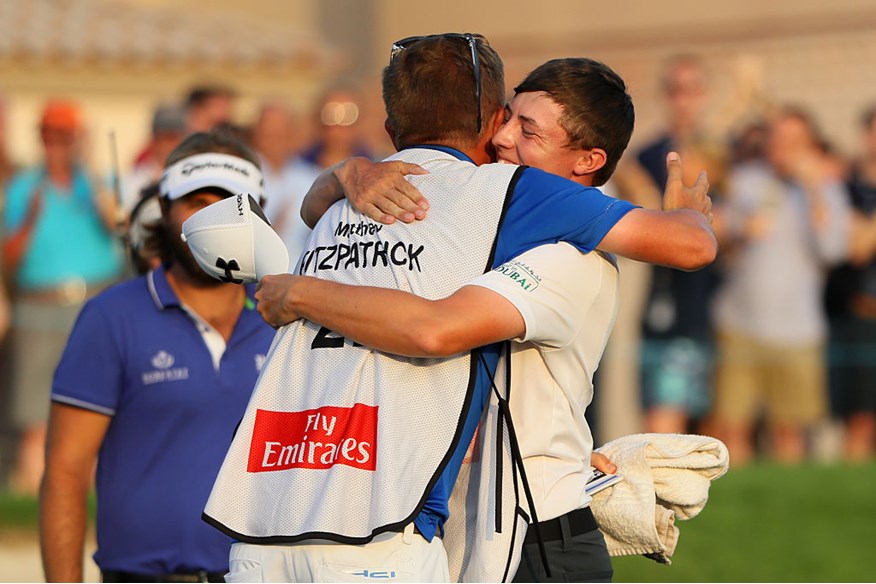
column 341, row 442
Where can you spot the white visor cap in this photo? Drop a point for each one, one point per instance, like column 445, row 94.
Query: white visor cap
column 233, row 241
column 224, row 171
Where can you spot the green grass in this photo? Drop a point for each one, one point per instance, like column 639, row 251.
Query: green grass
column 17, row 512
column 21, row 513
column 768, row 523
column 763, row 523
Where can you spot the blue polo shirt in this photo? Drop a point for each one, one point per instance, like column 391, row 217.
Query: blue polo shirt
column 541, row 208
column 68, row 238
column 135, row 354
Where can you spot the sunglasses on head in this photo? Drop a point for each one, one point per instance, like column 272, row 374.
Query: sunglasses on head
column 399, row 46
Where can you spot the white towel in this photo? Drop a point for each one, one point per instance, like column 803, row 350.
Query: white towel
column 666, row 477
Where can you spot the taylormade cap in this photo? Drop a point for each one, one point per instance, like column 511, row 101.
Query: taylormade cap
column 222, row 171
column 233, row 241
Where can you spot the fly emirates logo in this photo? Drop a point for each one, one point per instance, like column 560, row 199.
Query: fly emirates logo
column 318, row 439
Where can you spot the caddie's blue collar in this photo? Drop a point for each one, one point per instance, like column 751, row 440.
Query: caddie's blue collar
column 446, row 149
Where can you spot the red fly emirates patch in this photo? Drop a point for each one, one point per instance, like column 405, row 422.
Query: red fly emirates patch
column 319, row 438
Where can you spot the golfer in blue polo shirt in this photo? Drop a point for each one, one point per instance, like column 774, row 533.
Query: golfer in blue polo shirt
column 155, row 376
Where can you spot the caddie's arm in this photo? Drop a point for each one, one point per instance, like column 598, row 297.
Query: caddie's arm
column 416, row 327
column 74, row 438
column 379, row 190
column 679, row 236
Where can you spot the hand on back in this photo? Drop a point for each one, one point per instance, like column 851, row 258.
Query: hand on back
column 380, row 190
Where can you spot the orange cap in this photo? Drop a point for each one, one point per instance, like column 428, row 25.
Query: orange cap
column 60, row 115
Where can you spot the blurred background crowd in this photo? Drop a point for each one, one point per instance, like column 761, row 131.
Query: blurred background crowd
column 772, row 349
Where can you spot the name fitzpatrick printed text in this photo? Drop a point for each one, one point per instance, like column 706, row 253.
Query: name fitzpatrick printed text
column 361, row 254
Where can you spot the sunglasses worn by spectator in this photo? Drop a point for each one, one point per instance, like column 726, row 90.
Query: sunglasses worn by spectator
column 399, row 46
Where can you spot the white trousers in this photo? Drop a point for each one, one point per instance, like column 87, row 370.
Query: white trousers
column 397, row 557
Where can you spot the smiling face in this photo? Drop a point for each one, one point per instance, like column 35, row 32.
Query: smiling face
column 532, row 135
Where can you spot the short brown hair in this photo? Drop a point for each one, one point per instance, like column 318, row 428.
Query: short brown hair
column 429, row 90
column 681, row 61
column 201, row 94
column 805, row 117
column 220, row 140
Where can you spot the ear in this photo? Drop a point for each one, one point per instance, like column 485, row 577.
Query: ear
column 485, row 139
column 390, row 132
column 496, row 121
column 589, row 162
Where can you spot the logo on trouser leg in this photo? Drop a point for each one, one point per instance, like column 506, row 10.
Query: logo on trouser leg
column 377, row 574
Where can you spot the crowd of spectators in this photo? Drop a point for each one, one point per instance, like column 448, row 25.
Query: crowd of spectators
column 761, row 349
column 769, row 348
column 68, row 233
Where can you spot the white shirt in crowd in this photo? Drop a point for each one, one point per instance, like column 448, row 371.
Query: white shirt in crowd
column 284, row 192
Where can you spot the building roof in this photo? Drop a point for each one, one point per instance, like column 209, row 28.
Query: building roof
column 116, row 32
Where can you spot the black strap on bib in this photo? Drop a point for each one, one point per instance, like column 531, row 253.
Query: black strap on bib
column 516, row 457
